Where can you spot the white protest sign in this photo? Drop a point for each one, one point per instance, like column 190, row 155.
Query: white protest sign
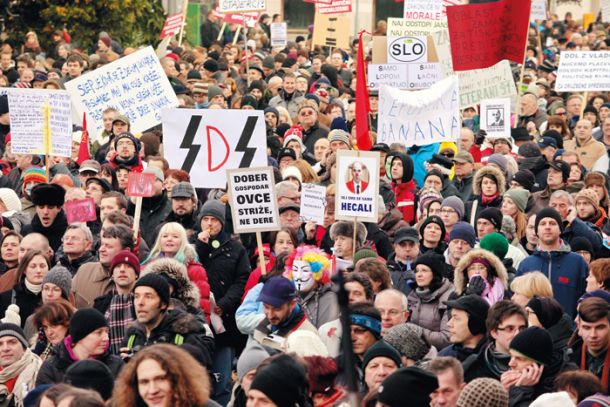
column 477, row 84
column 583, row 71
column 404, row 76
column 279, row 34
column 538, row 10
column 407, row 49
column 357, row 185
column 205, row 143
column 135, row 85
column 313, row 203
column 423, row 9
column 29, row 122
column 252, row 197
column 401, row 27
column 605, row 9
column 419, row 117
column 233, row 6
column 495, row 117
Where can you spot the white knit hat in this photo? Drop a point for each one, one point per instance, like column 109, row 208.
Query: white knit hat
column 10, row 199
column 558, row 399
column 291, row 171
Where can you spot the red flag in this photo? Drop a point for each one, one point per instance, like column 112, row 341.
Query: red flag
column 363, row 106
column 484, row 34
column 83, row 149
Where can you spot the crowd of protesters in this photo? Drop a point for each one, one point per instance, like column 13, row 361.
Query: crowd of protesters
column 485, row 281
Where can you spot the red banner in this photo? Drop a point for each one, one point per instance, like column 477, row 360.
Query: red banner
column 484, row 34
column 336, row 7
column 172, row 25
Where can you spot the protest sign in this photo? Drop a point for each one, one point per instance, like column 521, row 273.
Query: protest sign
column 400, row 27
column 81, row 210
column 140, row 184
column 538, row 11
column 403, row 76
column 335, row 7
column 357, row 185
column 583, row 71
column 331, row 30
column 279, row 34
column 249, row 19
column 313, row 203
column 495, row 117
column 206, row 143
column 252, row 197
column 407, row 49
column 419, row 117
column 135, row 85
column 423, row 10
column 236, row 6
column 478, row 33
column 605, row 9
column 41, row 121
column 172, row 25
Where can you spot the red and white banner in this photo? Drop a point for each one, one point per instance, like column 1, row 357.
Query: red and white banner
column 250, row 19
column 172, row 25
column 336, row 7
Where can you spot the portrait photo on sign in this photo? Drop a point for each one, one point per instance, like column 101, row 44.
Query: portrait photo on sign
column 495, row 117
column 357, row 177
column 357, row 185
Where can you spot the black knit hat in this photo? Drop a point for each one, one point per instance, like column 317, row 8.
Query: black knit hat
column 157, row 283
column 413, row 381
column 525, row 178
column 84, row 321
column 493, row 215
column 436, row 262
column 48, row 194
column 8, row 329
column 581, row 244
column 548, row 213
column 548, row 310
column 433, row 219
column 534, row 343
column 91, row 374
column 284, row 381
column 213, row 208
column 476, row 308
column 381, row 348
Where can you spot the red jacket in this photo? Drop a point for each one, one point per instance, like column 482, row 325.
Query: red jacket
column 199, row 277
column 255, row 276
column 405, row 199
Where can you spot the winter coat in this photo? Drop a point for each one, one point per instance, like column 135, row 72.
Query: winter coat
column 192, row 287
column 92, row 280
column 492, row 291
column 391, row 222
column 154, row 211
column 566, row 271
column 296, row 321
column 539, row 167
column 401, row 275
column 177, row 327
column 579, row 228
column 589, row 152
column 429, row 311
column 405, row 189
column 541, row 200
column 54, row 368
column 228, row 269
column 250, row 312
column 378, row 240
column 464, row 187
column 54, row 233
column 320, row 305
column 7, row 279
column 74, row 265
column 188, row 221
column 474, row 208
column 24, row 298
column 291, row 104
column 487, row 363
column 461, row 353
column 310, row 137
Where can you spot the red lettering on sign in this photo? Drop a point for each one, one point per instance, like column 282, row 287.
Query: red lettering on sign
column 209, row 130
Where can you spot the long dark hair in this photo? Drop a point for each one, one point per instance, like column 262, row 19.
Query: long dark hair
column 23, row 264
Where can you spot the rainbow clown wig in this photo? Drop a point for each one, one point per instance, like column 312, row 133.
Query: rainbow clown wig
column 318, row 262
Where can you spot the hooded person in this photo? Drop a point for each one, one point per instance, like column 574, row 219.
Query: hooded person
column 403, row 186
column 50, row 219
column 482, row 273
column 309, row 269
column 127, row 154
column 488, row 186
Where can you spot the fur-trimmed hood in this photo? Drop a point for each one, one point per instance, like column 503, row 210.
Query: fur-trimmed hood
column 186, row 291
column 478, row 179
column 459, row 276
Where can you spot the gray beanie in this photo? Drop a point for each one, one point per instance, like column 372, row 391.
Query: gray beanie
column 250, row 358
column 213, row 208
column 408, row 339
column 213, row 91
column 61, row 277
column 454, row 203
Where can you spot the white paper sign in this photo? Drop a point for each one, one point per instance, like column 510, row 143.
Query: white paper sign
column 279, row 34
column 419, row 117
column 538, row 10
column 400, row 27
column 582, row 71
column 495, row 117
column 407, row 50
column 28, row 121
column 423, row 9
column 253, row 203
column 313, row 203
column 232, row 6
column 605, row 9
column 357, row 185
column 404, row 76
column 135, row 85
column 205, row 143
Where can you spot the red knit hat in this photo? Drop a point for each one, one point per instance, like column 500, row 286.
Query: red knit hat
column 126, row 257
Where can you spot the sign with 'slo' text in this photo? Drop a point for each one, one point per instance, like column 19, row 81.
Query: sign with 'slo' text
column 206, row 143
column 407, row 49
column 252, row 197
column 357, row 185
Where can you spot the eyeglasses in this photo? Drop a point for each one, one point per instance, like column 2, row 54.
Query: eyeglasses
column 561, row 113
column 447, row 211
column 511, row 329
column 306, row 113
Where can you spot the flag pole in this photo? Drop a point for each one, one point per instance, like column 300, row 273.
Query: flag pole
column 518, row 107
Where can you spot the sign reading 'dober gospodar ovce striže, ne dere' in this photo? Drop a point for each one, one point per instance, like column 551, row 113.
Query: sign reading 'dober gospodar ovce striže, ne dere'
column 135, row 85
column 252, row 197
column 583, row 71
column 207, row 142
column 419, row 117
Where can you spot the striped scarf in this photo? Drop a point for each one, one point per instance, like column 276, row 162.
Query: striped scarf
column 119, row 316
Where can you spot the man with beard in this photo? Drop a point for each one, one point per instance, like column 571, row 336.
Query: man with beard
column 184, row 208
column 127, row 149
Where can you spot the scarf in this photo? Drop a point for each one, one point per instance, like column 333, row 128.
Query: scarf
column 35, row 288
column 119, row 317
column 605, row 368
column 493, row 293
column 486, row 200
column 25, row 370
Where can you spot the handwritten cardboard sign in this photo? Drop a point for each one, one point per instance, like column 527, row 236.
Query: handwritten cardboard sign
column 313, row 203
column 140, row 184
column 423, row 9
column 403, row 76
column 279, row 34
column 235, row 6
column 81, row 210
